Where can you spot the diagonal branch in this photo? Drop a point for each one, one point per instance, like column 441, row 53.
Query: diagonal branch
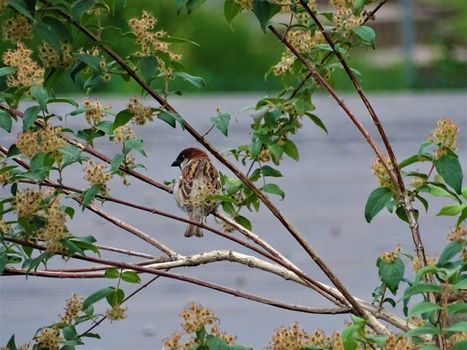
column 406, row 201
column 188, row 279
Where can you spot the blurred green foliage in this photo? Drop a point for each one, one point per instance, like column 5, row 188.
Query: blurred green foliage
column 236, row 57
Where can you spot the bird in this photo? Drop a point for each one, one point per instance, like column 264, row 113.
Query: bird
column 198, row 182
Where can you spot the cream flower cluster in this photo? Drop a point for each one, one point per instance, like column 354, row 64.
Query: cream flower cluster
column 28, row 72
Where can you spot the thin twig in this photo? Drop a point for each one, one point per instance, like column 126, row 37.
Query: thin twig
column 398, row 181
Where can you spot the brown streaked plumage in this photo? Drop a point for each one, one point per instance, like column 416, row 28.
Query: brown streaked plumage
column 199, row 181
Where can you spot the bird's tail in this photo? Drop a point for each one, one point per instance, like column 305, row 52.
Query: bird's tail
column 193, row 230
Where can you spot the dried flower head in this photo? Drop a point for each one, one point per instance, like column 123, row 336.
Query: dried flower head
column 4, row 227
column 228, row 338
column 4, row 173
column 96, row 174
column 394, row 342
column 95, row 111
column 459, row 232
column 49, row 338
column 285, row 64
column 17, row 28
column 28, row 72
column 117, row 312
column 195, row 316
column 173, row 342
column 47, row 140
column 142, row 114
column 293, row 338
column 27, row 202
column 50, row 58
column 245, row 4
column 3, row 4
column 382, row 174
column 73, row 306
column 123, row 133
column 417, row 264
column 389, row 257
column 445, row 136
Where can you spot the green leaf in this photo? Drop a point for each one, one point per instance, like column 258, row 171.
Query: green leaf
column 115, row 297
column 221, row 122
column 79, row 7
column 97, row 296
column 148, row 67
column 7, row 71
column 116, row 162
column 451, row 250
column 423, row 307
column 131, row 277
column 122, row 118
column 462, row 217
column 6, row 121
column 273, row 189
column 30, row 116
column 21, row 7
column 426, row 329
column 49, row 35
column 449, row 168
column 266, row 170
column 168, row 117
column 422, row 288
column 196, row 81
column 134, row 144
column 231, row 10
column 451, row 209
column 391, row 273
column 291, row 149
column 72, row 248
column 376, row 202
column 264, row 11
column 462, row 284
column 112, row 273
column 89, row 194
column 429, row 347
column 89, row 60
column 457, row 308
column 415, row 159
column 63, row 100
column 460, row 346
column 348, row 338
column 458, row 327
column 3, row 261
column 173, row 39
column 365, row 34
column 70, row 154
column 276, row 152
column 302, row 106
column 243, row 221
column 69, row 332
column 315, row 119
column 11, row 345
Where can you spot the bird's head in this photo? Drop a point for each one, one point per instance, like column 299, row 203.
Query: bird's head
column 186, row 155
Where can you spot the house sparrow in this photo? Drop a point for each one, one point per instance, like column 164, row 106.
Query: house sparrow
column 199, row 181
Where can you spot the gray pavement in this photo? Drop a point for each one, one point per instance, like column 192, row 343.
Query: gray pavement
column 325, row 196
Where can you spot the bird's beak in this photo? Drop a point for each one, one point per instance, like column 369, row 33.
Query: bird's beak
column 176, row 163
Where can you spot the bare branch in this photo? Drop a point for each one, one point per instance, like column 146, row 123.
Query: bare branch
column 192, row 280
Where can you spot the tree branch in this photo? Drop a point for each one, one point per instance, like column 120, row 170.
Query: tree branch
column 399, row 183
column 189, row 279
